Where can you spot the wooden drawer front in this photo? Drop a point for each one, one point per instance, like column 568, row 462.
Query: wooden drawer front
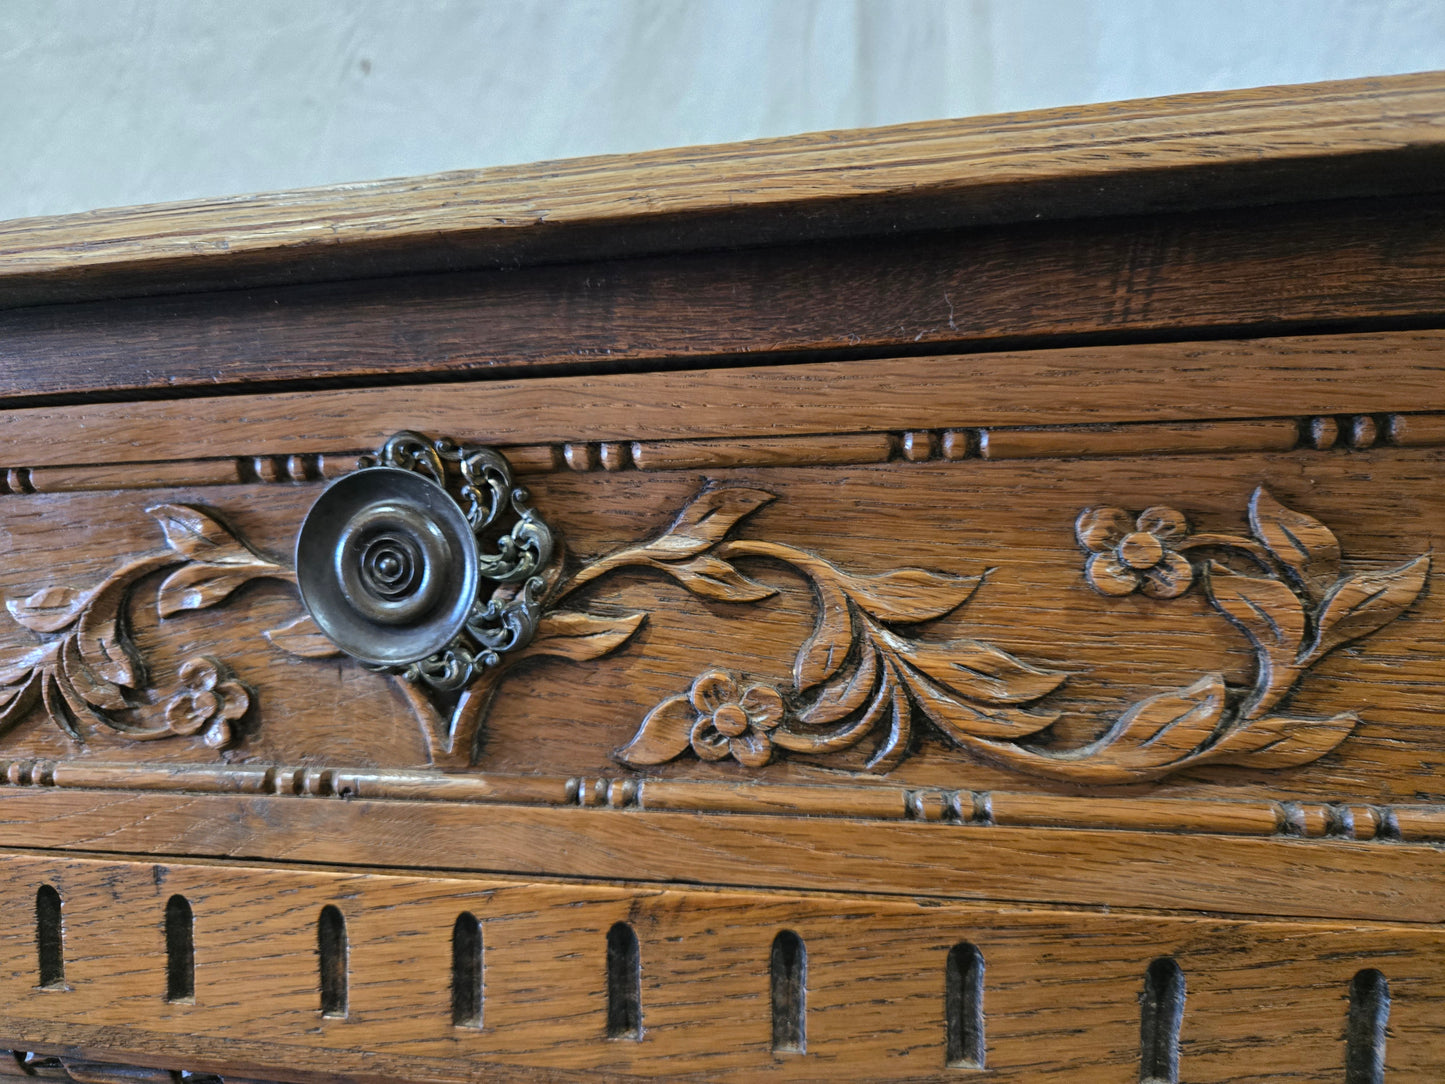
column 1060, row 989
column 917, row 593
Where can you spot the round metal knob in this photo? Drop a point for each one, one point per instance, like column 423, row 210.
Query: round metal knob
column 426, row 561
column 387, row 565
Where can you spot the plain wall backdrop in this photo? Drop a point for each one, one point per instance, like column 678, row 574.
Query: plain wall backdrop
column 115, row 102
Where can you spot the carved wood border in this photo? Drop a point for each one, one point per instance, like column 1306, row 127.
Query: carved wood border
column 1354, row 820
column 1305, row 433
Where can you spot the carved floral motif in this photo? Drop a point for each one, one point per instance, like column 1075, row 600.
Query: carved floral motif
column 864, row 680
column 1135, row 553
column 1295, row 606
column 205, row 702
column 722, row 723
column 860, row 677
column 87, row 669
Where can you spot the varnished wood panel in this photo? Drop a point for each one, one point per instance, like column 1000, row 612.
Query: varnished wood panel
column 1037, row 604
column 1304, row 376
column 1366, row 136
column 1350, row 264
column 1290, row 878
column 1060, row 992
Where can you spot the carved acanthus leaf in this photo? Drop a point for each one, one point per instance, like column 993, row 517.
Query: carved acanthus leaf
column 1271, row 616
column 198, row 536
column 664, row 735
column 51, row 608
column 581, row 637
column 705, row 521
column 1279, row 741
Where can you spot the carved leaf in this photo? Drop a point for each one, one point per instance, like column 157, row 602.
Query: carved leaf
column 973, row 670
column 101, row 694
column 18, row 670
column 910, row 594
column 960, row 719
column 890, row 708
column 842, row 697
column 198, row 586
column 1158, row 731
column 844, row 736
column 581, row 637
column 196, row 536
column 1278, row 741
column 56, row 706
column 18, row 701
column 712, row 577
column 101, row 639
column 824, row 651
column 704, row 522
column 303, row 638
column 898, row 716
column 663, row 735
column 75, row 705
column 1304, row 545
column 1271, row 615
column 1365, row 602
column 51, row 608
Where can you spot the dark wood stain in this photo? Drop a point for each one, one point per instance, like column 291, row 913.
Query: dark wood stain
column 1278, row 270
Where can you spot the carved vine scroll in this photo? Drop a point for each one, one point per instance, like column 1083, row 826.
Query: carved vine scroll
column 856, row 673
column 865, row 681
column 86, row 668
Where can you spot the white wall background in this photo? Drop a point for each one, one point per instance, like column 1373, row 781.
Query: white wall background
column 114, row 102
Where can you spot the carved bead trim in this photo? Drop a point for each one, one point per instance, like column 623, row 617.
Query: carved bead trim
column 882, row 802
column 1353, row 432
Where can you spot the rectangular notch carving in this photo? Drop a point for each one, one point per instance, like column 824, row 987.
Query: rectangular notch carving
column 789, row 973
column 624, row 983
column 1161, row 1013
column 467, row 968
column 49, row 939
column 1365, row 1030
column 963, row 1006
column 332, row 961
column 180, row 951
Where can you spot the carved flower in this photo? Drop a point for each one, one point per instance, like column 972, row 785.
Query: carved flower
column 732, row 724
column 1135, row 553
column 204, row 702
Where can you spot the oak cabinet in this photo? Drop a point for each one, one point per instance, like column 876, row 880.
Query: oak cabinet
column 947, row 602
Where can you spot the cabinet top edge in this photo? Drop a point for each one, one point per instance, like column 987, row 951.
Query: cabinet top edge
column 1351, row 138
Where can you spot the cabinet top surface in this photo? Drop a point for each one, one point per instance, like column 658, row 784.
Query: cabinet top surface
column 1365, row 137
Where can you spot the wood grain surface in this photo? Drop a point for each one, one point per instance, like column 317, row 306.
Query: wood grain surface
column 993, row 629
column 1296, row 376
column 1343, row 264
column 350, row 776
column 1060, row 992
column 1358, row 137
column 1285, row 878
